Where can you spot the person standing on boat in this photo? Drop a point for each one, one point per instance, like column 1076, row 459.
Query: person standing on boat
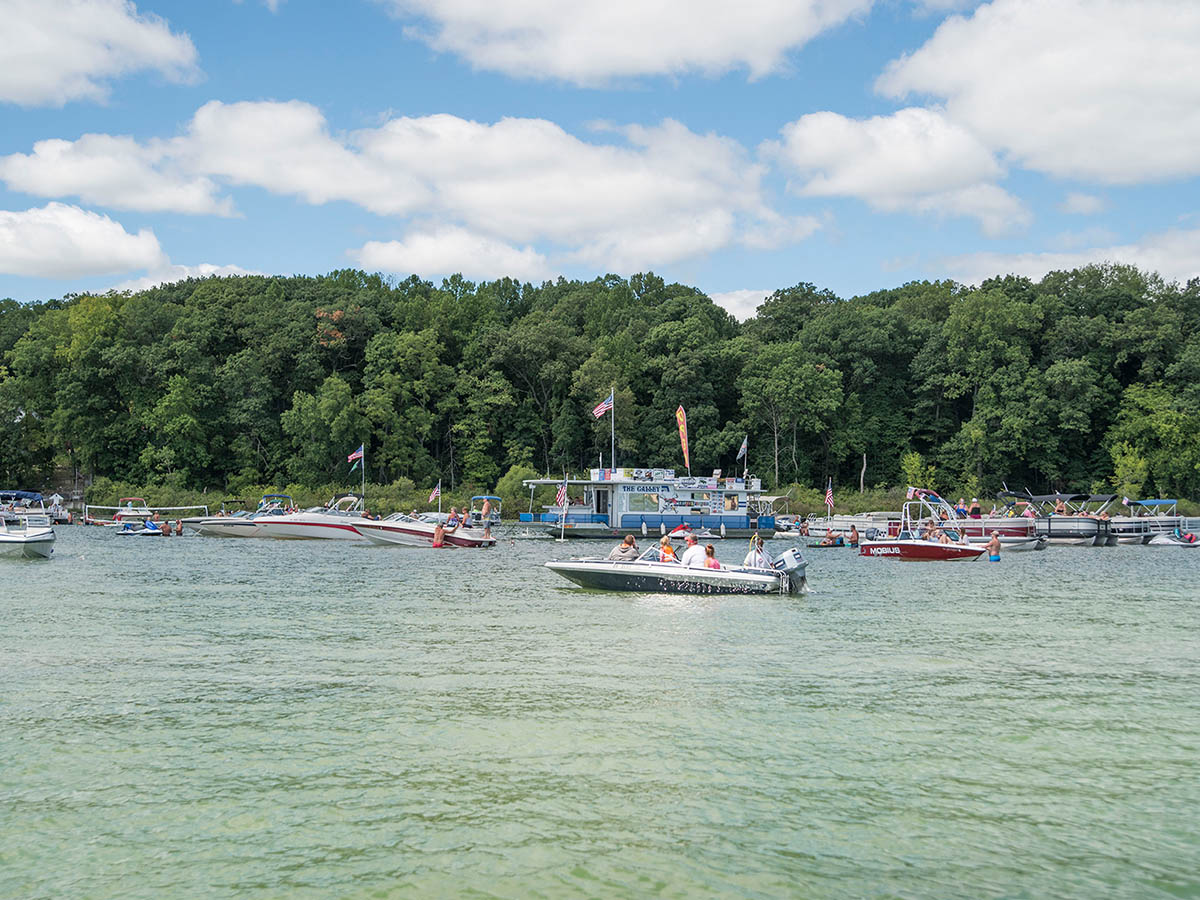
column 693, row 556
column 853, row 536
column 757, row 558
column 993, row 547
column 486, row 515
column 626, row 550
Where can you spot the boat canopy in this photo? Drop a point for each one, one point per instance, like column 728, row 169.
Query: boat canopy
column 491, row 497
column 31, row 496
column 1152, row 502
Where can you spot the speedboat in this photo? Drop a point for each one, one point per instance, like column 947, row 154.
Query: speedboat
column 31, row 537
column 907, row 544
column 242, row 523
column 786, row 575
column 338, row 520
column 400, row 528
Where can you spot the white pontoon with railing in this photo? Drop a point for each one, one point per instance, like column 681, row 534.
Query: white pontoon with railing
column 131, row 509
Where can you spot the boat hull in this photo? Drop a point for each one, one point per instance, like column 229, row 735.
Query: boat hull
column 920, row 551
column 309, row 529
column 420, row 534
column 225, row 527
column 37, row 545
column 672, row 578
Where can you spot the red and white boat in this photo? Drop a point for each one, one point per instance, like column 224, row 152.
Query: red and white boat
column 411, row 532
column 945, row 541
column 338, row 521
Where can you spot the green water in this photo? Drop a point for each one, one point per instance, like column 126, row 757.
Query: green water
column 244, row 718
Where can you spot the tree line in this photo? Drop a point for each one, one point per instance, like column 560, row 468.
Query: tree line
column 1084, row 380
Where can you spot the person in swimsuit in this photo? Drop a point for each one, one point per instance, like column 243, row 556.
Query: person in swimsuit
column 993, row 547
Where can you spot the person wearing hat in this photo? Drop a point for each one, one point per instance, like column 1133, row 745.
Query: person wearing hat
column 626, row 550
column 694, row 555
column 973, row 510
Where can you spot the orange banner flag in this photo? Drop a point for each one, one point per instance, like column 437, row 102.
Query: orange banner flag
column 681, row 418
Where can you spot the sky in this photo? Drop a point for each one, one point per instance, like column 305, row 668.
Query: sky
column 739, row 148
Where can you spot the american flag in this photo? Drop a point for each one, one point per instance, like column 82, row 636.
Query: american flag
column 603, row 406
column 436, row 492
column 560, row 499
column 829, row 494
column 357, row 454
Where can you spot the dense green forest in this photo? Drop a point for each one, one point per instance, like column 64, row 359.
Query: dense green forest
column 1086, row 379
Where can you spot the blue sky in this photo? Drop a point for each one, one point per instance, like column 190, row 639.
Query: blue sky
column 739, row 148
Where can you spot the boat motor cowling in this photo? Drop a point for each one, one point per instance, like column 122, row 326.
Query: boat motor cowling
column 792, row 562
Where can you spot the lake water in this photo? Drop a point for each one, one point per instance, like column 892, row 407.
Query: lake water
column 247, row 718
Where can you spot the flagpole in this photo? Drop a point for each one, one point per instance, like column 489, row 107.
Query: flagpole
column 612, row 456
column 364, row 478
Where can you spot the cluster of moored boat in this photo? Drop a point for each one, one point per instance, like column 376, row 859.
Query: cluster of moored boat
column 345, row 519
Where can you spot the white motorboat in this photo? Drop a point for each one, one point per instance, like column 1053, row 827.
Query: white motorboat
column 338, row 521
column 412, row 532
column 647, row 574
column 30, row 536
column 242, row 523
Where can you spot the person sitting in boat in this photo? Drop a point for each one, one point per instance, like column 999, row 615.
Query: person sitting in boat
column 710, row 557
column 757, row 558
column 1060, row 508
column 974, row 511
column 693, row 556
column 960, row 508
column 943, row 538
column 666, row 550
column 626, row 550
column 452, row 519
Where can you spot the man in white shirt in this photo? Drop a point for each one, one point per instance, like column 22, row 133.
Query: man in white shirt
column 757, row 558
column 694, row 554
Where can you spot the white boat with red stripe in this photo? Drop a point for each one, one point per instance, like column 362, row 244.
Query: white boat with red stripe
column 411, row 532
column 338, row 520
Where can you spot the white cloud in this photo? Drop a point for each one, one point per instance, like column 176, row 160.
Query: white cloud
column 589, row 43
column 742, row 304
column 1174, row 254
column 1082, row 204
column 59, row 241
column 914, row 159
column 997, row 211
column 645, row 195
column 452, row 250
column 111, row 171
column 54, row 51
column 166, row 273
column 1098, row 89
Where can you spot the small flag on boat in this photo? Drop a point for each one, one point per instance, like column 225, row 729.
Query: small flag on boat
column 357, row 454
column 560, row 499
column 742, row 452
column 829, row 494
column 1124, row 501
column 604, row 405
column 911, row 491
column 436, row 492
